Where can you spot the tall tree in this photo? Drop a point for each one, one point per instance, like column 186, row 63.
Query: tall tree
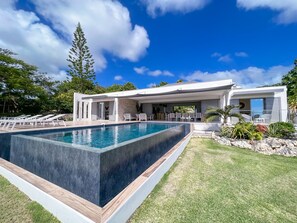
column 81, row 63
column 290, row 80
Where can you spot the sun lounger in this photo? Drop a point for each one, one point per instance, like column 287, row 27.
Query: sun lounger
column 54, row 120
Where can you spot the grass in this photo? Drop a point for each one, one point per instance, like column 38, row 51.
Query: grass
column 17, row 207
column 215, row 183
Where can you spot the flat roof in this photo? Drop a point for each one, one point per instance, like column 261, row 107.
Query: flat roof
column 167, row 89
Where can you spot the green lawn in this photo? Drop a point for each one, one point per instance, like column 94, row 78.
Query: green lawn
column 17, row 207
column 215, row 183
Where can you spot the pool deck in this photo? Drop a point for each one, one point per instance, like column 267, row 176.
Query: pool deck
column 93, row 212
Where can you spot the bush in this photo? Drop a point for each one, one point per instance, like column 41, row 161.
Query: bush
column 246, row 130
column 281, row 130
column 226, row 131
column 243, row 130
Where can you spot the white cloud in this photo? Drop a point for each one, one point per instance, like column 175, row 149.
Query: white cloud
column 118, row 78
column 241, row 54
column 249, row 77
column 226, row 58
column 106, row 24
column 161, row 7
column 152, row 85
column 154, row 73
column 222, row 58
column 140, row 70
column 216, row 54
column 287, row 8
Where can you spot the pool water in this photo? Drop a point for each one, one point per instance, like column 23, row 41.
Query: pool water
column 102, row 137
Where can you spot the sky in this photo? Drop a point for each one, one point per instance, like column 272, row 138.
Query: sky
column 145, row 42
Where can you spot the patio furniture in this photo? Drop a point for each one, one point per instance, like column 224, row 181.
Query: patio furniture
column 150, row 117
column 142, row 117
column 178, row 116
column 171, row 116
column 54, row 120
column 265, row 118
column 127, row 117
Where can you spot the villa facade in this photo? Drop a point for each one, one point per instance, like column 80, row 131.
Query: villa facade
column 265, row 104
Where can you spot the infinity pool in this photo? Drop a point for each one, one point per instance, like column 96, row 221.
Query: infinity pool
column 102, row 137
column 95, row 162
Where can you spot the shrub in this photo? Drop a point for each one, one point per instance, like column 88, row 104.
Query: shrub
column 262, row 128
column 281, row 130
column 226, row 131
column 242, row 130
column 246, row 130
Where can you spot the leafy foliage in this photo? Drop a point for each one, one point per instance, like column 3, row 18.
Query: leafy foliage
column 22, row 88
column 242, row 130
column 290, row 80
column 246, row 130
column 224, row 113
column 281, row 129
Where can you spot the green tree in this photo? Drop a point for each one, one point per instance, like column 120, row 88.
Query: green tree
column 22, row 87
column 290, row 80
column 81, row 63
column 224, row 113
column 162, row 83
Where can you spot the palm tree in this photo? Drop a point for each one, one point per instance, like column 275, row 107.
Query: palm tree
column 224, row 113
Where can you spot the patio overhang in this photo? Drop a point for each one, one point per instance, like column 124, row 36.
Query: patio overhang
column 187, row 91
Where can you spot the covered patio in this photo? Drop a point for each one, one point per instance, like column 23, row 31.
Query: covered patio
column 186, row 102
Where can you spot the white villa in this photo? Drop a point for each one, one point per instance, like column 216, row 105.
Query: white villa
column 265, row 104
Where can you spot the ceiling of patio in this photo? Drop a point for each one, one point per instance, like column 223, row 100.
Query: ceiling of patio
column 180, row 97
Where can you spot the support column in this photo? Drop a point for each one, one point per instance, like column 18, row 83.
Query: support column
column 74, row 108
column 90, row 110
column 80, row 110
column 85, row 110
column 116, row 109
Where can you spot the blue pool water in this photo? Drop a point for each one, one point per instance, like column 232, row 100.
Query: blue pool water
column 102, row 137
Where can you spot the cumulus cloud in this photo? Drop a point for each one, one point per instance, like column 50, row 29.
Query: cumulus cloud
column 249, row 77
column 154, row 73
column 161, row 7
column 241, row 54
column 287, row 8
column 47, row 44
column 118, row 78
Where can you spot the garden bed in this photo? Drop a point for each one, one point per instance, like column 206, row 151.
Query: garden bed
column 268, row 146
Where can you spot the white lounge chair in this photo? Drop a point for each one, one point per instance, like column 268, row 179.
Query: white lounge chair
column 142, row 117
column 127, row 117
column 54, row 120
column 30, row 120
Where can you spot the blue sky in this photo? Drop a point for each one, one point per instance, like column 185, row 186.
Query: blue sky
column 145, row 42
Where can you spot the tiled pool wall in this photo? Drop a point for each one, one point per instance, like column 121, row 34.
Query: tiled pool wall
column 96, row 175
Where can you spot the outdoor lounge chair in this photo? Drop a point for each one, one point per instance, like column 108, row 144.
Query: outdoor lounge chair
column 127, row 117
column 23, row 121
column 142, row 117
column 54, row 120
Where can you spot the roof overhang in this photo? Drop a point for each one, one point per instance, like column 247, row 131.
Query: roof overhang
column 183, row 89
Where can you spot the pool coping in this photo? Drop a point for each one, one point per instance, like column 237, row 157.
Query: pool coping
column 38, row 137
column 69, row 207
